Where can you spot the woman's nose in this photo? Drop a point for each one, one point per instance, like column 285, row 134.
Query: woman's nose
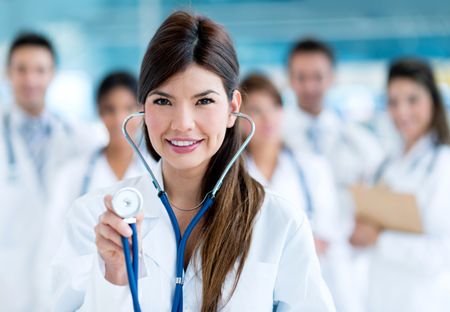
column 183, row 119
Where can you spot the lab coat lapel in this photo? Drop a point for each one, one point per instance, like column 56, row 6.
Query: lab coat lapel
column 26, row 173
column 158, row 225
column 158, row 238
column 56, row 153
column 158, row 242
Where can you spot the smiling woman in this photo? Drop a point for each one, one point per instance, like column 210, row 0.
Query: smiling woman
column 190, row 121
column 251, row 251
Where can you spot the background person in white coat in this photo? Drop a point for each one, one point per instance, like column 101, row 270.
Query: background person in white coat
column 411, row 272
column 303, row 178
column 35, row 143
column 352, row 152
column 116, row 99
column 249, row 236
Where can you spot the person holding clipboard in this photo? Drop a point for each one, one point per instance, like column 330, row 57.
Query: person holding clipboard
column 411, row 271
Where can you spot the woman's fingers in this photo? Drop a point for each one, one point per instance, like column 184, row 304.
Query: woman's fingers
column 105, row 245
column 108, row 233
column 108, row 202
column 114, row 221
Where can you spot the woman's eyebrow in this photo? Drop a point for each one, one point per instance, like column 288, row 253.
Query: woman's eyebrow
column 160, row 93
column 204, row 93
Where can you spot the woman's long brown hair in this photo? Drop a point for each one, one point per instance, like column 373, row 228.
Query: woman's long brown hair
column 182, row 40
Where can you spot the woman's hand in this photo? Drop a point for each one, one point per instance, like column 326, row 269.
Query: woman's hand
column 108, row 234
column 365, row 234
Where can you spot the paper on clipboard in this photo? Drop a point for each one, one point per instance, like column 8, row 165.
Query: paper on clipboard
column 388, row 209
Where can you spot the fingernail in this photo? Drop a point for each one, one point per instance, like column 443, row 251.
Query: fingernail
column 128, row 231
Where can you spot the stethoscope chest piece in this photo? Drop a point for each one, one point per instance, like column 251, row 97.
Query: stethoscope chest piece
column 127, row 202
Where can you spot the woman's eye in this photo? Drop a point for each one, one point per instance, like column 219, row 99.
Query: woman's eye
column 161, row 101
column 205, row 101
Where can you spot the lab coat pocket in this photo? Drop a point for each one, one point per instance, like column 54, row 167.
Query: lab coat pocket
column 254, row 291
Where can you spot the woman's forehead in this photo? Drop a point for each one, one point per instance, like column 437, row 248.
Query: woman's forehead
column 192, row 81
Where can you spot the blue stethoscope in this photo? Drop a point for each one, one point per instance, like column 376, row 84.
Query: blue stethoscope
column 132, row 197
column 87, row 178
column 303, row 183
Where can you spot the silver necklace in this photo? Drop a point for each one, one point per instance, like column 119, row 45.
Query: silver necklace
column 186, row 209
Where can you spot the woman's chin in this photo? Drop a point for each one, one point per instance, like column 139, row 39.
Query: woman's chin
column 184, row 162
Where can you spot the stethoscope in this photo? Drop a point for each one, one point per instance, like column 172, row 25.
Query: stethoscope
column 378, row 175
column 129, row 200
column 303, row 183
column 11, row 156
column 10, row 153
column 343, row 139
column 87, row 177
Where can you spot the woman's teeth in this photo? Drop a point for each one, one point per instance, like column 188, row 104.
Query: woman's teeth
column 183, row 143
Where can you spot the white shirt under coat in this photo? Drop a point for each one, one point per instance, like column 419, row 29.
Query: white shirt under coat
column 281, row 268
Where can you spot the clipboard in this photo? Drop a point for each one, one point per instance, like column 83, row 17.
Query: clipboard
column 387, row 209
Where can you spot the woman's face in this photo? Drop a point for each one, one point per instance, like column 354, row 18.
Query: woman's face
column 411, row 108
column 187, row 117
column 114, row 107
column 267, row 115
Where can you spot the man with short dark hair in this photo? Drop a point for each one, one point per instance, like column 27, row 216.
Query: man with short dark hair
column 31, row 68
column 352, row 152
column 34, row 143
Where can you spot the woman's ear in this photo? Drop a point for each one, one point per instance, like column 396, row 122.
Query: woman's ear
column 235, row 106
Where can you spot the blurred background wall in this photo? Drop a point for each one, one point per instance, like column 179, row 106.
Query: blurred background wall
column 93, row 37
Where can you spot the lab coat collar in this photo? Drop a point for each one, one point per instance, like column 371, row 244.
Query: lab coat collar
column 257, row 175
column 153, row 208
column 283, row 159
column 20, row 117
column 326, row 120
column 423, row 145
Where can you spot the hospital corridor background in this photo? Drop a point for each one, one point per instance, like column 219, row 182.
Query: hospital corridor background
column 351, row 104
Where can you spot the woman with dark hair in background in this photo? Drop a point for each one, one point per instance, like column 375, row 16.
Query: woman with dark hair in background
column 251, row 251
column 305, row 179
column 411, row 272
column 116, row 98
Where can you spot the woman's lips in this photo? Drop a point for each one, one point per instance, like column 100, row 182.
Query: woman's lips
column 183, row 146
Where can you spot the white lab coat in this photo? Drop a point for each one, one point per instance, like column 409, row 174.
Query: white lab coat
column 25, row 207
column 352, row 152
column 71, row 178
column 386, row 132
column 286, row 181
column 281, row 268
column 69, row 184
column 353, row 155
column 411, row 272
